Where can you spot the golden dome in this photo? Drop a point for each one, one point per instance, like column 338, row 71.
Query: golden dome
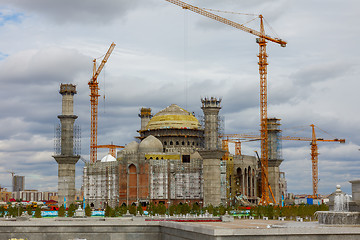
column 173, row 117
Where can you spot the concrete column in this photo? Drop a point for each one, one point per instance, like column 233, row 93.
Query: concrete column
column 67, row 160
column 274, row 178
column 211, row 175
column 212, row 152
column 66, row 179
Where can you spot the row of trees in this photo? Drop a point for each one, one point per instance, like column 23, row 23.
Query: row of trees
column 302, row 210
column 257, row 211
column 17, row 210
column 160, row 209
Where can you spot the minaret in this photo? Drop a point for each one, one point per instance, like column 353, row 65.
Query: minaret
column 274, row 153
column 145, row 115
column 212, row 152
column 67, row 160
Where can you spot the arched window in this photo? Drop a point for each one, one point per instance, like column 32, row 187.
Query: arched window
column 183, row 143
column 171, row 143
column 188, row 143
column 165, row 143
column 177, row 142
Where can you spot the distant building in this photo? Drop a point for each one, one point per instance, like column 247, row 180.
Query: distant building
column 4, row 195
column 34, row 195
column 18, row 183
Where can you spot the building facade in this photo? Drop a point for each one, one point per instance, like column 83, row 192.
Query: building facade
column 18, row 183
column 174, row 160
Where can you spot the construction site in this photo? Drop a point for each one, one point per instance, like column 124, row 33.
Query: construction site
column 178, row 158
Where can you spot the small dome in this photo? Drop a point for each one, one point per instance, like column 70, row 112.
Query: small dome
column 108, row 158
column 131, row 147
column 150, row 144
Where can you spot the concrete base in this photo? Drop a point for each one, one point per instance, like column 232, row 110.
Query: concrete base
column 116, row 229
column 338, row 218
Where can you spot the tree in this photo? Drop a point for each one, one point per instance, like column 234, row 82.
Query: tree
column 139, row 210
column 221, row 210
column 132, row 209
column 123, row 210
column 151, row 208
column 88, row 211
column 38, row 212
column 61, row 211
column 11, row 211
column 172, row 210
column 108, row 211
column 195, row 209
column 2, row 211
column 161, row 209
column 29, row 210
column 71, row 210
column 117, row 211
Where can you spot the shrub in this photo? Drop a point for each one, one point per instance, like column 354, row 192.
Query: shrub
column 61, row 211
column 195, row 209
column 151, row 208
column 29, row 210
column 221, row 210
column 11, row 211
column 122, row 210
column 2, row 211
column 108, row 211
column 88, row 211
column 71, row 210
column 185, row 209
column 38, row 212
column 140, row 210
column 117, row 212
column 172, row 209
column 132, row 209
column 161, row 209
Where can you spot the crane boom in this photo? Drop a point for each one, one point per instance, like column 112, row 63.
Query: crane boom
column 226, row 21
column 94, row 98
column 102, row 64
column 263, row 81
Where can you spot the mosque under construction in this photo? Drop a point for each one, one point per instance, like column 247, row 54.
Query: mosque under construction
column 178, row 158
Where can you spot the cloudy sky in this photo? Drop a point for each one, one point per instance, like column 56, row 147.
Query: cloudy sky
column 166, row 55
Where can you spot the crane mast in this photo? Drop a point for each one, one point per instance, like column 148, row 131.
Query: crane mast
column 261, row 40
column 263, row 114
column 94, row 99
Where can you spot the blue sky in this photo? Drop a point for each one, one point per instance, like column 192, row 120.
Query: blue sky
column 166, row 55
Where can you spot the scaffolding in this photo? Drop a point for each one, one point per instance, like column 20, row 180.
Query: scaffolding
column 76, row 140
column 101, row 184
column 173, row 179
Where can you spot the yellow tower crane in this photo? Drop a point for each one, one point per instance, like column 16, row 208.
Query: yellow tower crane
column 314, row 150
column 94, row 99
column 261, row 40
